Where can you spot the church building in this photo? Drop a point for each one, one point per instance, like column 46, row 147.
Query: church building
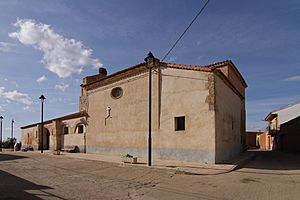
column 197, row 113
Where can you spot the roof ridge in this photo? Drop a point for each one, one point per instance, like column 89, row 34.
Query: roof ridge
column 74, row 114
column 115, row 73
column 216, row 64
column 286, row 106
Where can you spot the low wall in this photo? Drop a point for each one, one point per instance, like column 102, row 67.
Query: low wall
column 7, row 149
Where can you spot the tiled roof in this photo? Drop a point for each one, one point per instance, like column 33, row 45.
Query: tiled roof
column 209, row 67
column 189, row 67
column 270, row 116
column 139, row 68
column 70, row 116
column 286, row 106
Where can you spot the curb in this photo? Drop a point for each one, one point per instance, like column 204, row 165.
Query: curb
column 237, row 165
column 241, row 163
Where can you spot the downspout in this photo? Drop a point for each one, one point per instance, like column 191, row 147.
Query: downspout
column 159, row 93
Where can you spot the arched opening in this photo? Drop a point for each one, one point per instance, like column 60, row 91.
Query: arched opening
column 46, row 139
column 80, row 128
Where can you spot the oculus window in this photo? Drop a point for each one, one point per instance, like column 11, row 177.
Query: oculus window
column 180, row 123
column 116, row 93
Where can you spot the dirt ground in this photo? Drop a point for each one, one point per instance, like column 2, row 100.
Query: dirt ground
column 269, row 175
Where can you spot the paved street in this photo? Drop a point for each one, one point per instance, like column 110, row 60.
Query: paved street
column 34, row 176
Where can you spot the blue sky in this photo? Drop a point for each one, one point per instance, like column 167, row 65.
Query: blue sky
column 44, row 44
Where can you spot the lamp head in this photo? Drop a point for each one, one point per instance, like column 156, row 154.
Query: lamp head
column 42, row 98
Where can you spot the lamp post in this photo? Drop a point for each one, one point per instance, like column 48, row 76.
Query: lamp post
column 42, row 98
column 149, row 62
column 12, row 129
column 1, row 133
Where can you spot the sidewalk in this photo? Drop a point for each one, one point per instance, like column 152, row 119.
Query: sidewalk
column 178, row 167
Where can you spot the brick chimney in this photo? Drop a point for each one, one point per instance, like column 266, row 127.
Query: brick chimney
column 102, row 72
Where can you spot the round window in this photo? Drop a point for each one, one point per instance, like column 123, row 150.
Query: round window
column 116, row 92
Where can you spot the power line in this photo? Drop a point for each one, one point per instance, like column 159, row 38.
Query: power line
column 185, row 31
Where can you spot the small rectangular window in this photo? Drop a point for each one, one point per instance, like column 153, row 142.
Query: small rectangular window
column 80, row 128
column 180, row 123
column 66, row 130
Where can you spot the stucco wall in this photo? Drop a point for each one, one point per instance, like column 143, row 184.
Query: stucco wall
column 265, row 141
column 73, row 138
column 274, row 124
column 30, row 137
column 183, row 93
column 186, row 93
column 229, row 121
column 125, row 130
column 53, row 136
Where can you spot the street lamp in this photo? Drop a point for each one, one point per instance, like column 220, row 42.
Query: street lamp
column 1, row 133
column 42, row 98
column 150, row 58
column 12, row 129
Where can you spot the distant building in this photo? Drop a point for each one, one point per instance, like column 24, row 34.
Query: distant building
column 198, row 113
column 284, row 127
column 252, row 140
column 265, row 141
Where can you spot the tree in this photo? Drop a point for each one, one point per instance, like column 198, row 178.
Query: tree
column 9, row 143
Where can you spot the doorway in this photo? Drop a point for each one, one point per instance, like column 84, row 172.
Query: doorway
column 46, row 138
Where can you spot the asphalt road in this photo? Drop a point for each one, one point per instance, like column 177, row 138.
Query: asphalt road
column 269, row 175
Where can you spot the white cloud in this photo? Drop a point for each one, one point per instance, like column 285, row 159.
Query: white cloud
column 62, row 87
column 41, row 79
column 293, row 78
column 61, row 56
column 6, row 47
column 16, row 96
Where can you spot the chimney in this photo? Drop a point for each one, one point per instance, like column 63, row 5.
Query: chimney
column 102, row 72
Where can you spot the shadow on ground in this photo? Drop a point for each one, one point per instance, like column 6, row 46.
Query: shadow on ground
column 13, row 187
column 5, row 157
column 274, row 160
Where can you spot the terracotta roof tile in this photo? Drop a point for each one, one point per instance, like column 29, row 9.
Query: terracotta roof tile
column 140, row 68
column 189, row 67
column 209, row 67
column 70, row 116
